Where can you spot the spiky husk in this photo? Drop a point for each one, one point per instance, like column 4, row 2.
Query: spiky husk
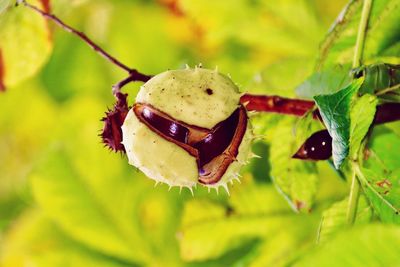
column 184, row 95
column 111, row 134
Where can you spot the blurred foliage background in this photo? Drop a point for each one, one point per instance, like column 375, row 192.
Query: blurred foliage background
column 67, row 201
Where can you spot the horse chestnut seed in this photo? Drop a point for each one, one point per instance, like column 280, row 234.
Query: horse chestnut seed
column 187, row 127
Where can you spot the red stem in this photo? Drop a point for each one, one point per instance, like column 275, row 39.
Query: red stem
column 277, row 104
column 133, row 76
column 386, row 112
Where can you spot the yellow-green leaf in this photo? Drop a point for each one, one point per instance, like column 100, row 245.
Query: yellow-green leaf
column 25, row 43
column 334, row 219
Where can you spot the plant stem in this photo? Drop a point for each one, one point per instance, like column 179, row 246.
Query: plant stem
column 353, row 199
column 277, row 104
column 388, row 90
column 357, row 61
column 386, row 112
column 134, row 74
column 362, row 30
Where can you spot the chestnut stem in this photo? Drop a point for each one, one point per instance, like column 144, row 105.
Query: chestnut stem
column 386, row 112
column 134, row 75
column 277, row 104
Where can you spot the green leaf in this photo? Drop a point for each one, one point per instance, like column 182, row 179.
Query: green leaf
column 383, row 32
column 380, row 174
column 297, row 180
column 335, row 112
column 225, row 21
column 285, row 44
column 242, row 199
column 281, row 78
column 25, row 43
column 334, row 219
column 326, row 82
column 361, row 116
column 16, row 128
column 383, row 195
column 378, row 77
column 369, row 245
column 35, row 240
column 255, row 213
column 97, row 199
column 4, row 4
column 51, row 184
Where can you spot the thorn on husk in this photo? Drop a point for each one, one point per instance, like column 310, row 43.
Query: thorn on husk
column 112, row 132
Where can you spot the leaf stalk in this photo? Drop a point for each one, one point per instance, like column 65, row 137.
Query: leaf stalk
column 357, row 61
column 353, row 198
column 362, row 32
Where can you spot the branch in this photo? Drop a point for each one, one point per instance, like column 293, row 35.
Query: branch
column 362, row 31
column 358, row 53
column 134, row 74
column 388, row 90
column 277, row 104
column 353, row 199
column 387, row 112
